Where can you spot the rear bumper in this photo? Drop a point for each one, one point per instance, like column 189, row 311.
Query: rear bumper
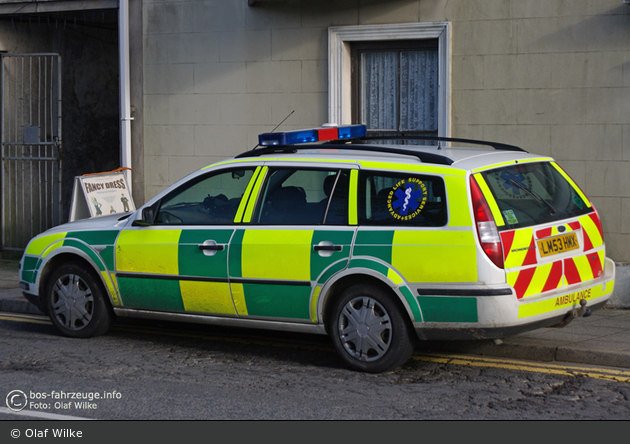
column 502, row 315
column 480, row 333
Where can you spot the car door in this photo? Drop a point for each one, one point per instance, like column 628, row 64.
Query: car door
column 179, row 262
column 298, row 236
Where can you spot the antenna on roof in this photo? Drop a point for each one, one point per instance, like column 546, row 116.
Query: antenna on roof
column 278, row 125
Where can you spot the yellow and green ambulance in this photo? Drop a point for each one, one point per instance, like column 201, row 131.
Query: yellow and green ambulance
column 375, row 243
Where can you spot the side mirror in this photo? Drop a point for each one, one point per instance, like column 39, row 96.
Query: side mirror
column 147, row 218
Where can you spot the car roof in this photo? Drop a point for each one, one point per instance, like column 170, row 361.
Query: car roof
column 353, row 143
column 462, row 158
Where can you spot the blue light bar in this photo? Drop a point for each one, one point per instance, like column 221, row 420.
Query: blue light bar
column 311, row 135
column 352, row 131
column 288, row 137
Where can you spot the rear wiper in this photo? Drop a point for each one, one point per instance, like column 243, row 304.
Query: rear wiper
column 534, row 195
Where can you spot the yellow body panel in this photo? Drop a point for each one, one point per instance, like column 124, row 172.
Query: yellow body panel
column 539, row 280
column 458, row 206
column 352, row 198
column 566, row 301
column 426, row 256
column 207, row 297
column 292, row 254
column 241, row 208
column 591, row 230
column 249, row 210
column 38, row 245
column 520, row 247
column 148, row 251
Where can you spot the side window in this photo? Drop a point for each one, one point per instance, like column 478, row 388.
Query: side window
column 292, row 196
column 208, row 200
column 392, row 199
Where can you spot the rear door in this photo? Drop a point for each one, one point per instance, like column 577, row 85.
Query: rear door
column 297, row 237
column 551, row 234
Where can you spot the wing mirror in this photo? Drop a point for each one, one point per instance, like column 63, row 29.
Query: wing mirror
column 147, row 219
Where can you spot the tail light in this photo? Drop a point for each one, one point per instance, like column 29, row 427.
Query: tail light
column 598, row 221
column 486, row 227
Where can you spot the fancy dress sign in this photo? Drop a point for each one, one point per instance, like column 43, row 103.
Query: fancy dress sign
column 103, row 194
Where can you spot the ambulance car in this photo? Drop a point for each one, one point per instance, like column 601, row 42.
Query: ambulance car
column 377, row 243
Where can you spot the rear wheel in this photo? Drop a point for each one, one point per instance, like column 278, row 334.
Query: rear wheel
column 369, row 330
column 76, row 302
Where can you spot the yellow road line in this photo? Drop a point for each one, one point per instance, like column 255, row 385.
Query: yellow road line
column 32, row 319
column 556, row 369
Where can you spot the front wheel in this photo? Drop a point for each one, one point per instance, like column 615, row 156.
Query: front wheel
column 76, row 302
column 369, row 331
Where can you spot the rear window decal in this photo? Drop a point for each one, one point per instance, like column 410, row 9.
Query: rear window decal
column 509, row 183
column 510, row 217
column 407, row 199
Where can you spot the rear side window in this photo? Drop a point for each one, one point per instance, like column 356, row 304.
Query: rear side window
column 398, row 199
column 533, row 193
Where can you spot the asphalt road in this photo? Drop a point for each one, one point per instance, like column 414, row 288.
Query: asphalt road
column 177, row 372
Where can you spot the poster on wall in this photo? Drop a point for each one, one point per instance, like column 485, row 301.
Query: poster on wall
column 96, row 195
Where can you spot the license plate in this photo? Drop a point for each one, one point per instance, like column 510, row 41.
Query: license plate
column 558, row 244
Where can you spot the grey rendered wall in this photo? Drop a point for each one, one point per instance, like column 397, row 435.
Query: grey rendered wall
column 550, row 75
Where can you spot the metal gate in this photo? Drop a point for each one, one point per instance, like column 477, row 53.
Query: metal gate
column 31, row 146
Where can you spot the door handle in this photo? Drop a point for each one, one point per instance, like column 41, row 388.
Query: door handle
column 210, row 247
column 327, row 247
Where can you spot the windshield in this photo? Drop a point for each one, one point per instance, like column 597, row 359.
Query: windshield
column 533, row 193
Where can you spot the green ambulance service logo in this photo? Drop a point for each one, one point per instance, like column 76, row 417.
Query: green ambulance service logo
column 407, row 199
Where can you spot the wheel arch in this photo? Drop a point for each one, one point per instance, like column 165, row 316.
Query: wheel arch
column 64, row 255
column 350, row 277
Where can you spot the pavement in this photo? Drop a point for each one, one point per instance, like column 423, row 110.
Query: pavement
column 602, row 339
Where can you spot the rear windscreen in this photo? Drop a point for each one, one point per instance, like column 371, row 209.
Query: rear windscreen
column 533, row 193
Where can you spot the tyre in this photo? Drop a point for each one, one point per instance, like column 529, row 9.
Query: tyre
column 77, row 303
column 369, row 330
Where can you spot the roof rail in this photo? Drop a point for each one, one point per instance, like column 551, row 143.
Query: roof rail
column 288, row 149
column 399, row 136
column 357, row 142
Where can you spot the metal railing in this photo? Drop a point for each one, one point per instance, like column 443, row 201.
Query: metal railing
column 31, row 146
